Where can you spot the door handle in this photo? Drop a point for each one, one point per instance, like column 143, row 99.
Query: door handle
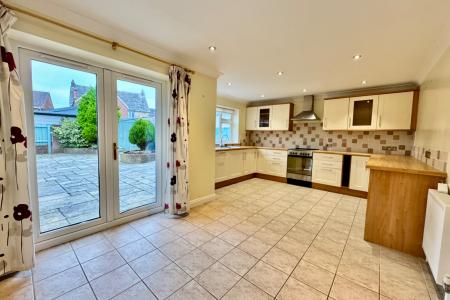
column 115, row 151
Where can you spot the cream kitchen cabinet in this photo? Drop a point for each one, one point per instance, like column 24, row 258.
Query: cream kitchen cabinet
column 235, row 163
column 395, row 111
column 272, row 162
column 363, row 113
column 270, row 117
column 251, row 118
column 221, row 166
column 327, row 169
column 250, row 161
column 335, row 114
column 359, row 173
column 281, row 117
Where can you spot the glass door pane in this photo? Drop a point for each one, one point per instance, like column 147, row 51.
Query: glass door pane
column 264, row 117
column 362, row 112
column 65, row 109
column 136, row 143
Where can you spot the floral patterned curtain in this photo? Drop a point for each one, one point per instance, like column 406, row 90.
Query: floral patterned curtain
column 16, row 241
column 177, row 182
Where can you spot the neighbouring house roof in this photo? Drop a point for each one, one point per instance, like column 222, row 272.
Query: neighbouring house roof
column 42, row 100
column 135, row 102
column 63, row 112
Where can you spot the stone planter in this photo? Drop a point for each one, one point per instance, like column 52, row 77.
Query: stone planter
column 80, row 150
column 137, row 157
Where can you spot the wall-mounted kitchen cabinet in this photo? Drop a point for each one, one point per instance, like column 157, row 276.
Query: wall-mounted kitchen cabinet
column 395, row 111
column 270, row 117
column 335, row 113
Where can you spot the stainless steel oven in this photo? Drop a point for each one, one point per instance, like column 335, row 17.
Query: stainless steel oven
column 299, row 166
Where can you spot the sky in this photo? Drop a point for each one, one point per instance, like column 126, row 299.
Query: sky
column 56, row 80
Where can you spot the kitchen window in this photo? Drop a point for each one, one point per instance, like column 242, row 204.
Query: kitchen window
column 226, row 125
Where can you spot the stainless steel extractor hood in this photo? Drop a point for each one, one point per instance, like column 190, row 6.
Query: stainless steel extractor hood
column 307, row 115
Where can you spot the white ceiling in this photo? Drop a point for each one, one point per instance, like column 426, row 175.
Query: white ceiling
column 311, row 41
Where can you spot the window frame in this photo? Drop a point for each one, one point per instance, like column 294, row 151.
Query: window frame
column 230, row 122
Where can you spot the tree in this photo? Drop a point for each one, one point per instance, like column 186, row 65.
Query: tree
column 142, row 133
column 87, row 116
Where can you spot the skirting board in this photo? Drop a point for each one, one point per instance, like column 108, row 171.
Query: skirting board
column 202, row 200
column 339, row 190
column 249, row 176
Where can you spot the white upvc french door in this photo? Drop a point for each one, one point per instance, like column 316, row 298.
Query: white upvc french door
column 86, row 173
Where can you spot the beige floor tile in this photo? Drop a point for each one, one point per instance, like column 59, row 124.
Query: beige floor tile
column 15, row 282
column 218, row 279
column 137, row 292
column 50, row 267
column 321, row 259
column 135, row 249
column 162, row 237
column 183, row 228
column 255, row 247
column 334, row 235
column 176, row 249
column 294, row 289
column 231, row 220
column 87, row 240
column 195, row 262
column 315, row 277
column 292, row 246
column 149, row 263
column 53, row 252
column 344, row 289
column 238, row 261
column 245, row 290
column 198, row 237
column 301, row 235
column 23, row 293
column 353, row 256
column 329, row 246
column 121, row 235
column 268, row 236
column 281, row 260
column 103, row 264
column 233, row 236
column 216, row 228
column 247, row 227
column 146, row 226
column 192, row 290
column 216, row 248
column 278, row 227
column 83, row 292
column 167, row 280
column 266, row 278
column 200, row 220
column 358, row 273
column 313, row 228
column 93, row 250
column 114, row 283
column 258, row 220
column 59, row 284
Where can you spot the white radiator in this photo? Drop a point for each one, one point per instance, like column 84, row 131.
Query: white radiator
column 436, row 236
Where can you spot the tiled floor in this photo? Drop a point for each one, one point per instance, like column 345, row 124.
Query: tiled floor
column 258, row 240
column 68, row 188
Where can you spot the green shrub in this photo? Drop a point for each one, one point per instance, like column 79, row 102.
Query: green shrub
column 69, row 134
column 142, row 133
column 87, row 116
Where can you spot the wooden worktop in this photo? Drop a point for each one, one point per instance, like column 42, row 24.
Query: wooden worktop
column 232, row 148
column 402, row 164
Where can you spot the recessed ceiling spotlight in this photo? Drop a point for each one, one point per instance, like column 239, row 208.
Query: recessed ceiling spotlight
column 262, row 95
column 357, row 57
column 229, row 83
column 364, row 82
column 212, row 48
column 304, row 90
column 280, row 73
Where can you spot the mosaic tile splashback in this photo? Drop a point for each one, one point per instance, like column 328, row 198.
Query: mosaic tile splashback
column 312, row 135
column 434, row 158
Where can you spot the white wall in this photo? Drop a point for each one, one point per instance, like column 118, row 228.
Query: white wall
column 433, row 126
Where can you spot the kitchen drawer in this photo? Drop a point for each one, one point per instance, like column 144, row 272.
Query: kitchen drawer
column 328, row 157
column 327, row 164
column 328, row 176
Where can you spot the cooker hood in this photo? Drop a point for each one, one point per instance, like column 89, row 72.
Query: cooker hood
column 307, row 115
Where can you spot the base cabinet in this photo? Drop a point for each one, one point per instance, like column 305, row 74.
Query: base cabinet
column 359, row 174
column 250, row 161
column 272, row 162
column 327, row 169
column 221, row 166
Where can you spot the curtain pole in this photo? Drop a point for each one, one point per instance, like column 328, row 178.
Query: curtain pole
column 114, row 45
